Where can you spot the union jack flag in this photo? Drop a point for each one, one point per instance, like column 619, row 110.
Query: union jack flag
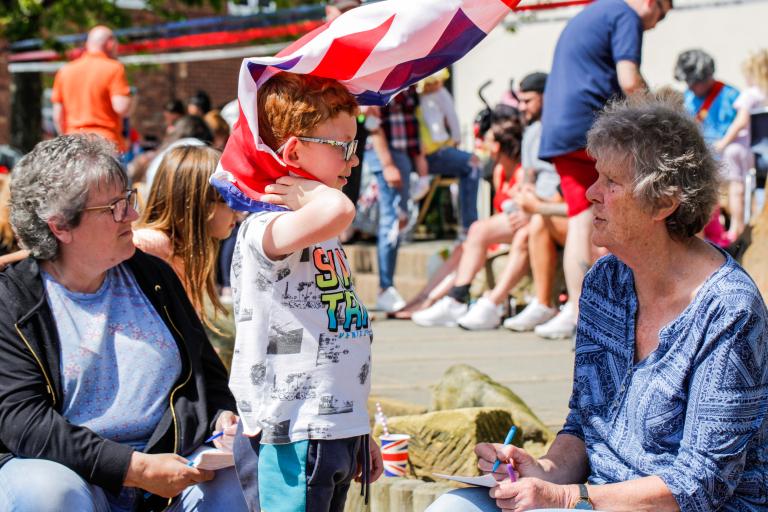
column 375, row 50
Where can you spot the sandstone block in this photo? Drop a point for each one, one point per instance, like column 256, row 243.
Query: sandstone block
column 426, row 494
column 464, row 386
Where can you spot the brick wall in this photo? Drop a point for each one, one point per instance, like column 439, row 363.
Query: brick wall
column 5, row 96
column 160, row 83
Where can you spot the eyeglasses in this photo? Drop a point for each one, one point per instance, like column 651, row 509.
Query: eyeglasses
column 120, row 206
column 348, row 148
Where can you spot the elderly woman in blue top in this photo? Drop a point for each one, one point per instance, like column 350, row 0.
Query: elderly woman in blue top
column 107, row 381
column 668, row 410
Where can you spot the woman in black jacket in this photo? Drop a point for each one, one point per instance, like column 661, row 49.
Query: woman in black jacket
column 107, row 381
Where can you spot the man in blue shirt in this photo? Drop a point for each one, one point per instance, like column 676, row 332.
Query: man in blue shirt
column 597, row 58
column 708, row 100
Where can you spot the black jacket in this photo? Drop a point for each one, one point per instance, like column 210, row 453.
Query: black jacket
column 30, row 381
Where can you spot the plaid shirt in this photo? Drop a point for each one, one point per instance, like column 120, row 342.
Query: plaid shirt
column 398, row 120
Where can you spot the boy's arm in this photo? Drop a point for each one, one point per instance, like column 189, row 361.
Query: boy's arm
column 319, row 213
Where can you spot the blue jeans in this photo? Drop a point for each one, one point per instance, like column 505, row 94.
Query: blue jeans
column 37, row 485
column 391, row 202
column 449, row 161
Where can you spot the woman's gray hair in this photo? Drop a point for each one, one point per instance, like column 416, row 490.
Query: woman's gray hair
column 694, row 66
column 52, row 183
column 667, row 155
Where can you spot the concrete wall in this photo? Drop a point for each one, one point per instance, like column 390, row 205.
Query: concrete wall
column 727, row 32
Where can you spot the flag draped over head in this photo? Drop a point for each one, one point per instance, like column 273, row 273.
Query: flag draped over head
column 375, row 50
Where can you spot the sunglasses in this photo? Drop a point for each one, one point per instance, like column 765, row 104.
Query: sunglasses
column 347, row 148
column 120, row 206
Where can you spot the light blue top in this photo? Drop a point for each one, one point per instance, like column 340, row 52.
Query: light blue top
column 721, row 114
column 118, row 359
column 694, row 411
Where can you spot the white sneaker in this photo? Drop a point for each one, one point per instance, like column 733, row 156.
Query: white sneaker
column 390, row 301
column 444, row 313
column 421, row 188
column 533, row 315
column 561, row 326
column 483, row 314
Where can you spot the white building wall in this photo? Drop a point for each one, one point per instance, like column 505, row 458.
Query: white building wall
column 728, row 30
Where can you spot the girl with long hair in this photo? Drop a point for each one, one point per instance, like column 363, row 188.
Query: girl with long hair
column 183, row 222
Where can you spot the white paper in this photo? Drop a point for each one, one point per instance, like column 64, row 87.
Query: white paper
column 481, row 481
column 213, row 459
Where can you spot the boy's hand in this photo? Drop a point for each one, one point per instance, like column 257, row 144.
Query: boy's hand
column 293, row 192
column 377, row 464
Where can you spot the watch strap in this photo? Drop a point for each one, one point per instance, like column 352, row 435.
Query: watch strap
column 583, row 503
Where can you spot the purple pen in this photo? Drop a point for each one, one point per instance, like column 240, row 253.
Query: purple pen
column 511, row 473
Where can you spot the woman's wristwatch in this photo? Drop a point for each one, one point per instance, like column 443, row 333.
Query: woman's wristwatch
column 583, row 503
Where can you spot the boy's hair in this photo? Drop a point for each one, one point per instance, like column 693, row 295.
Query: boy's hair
column 289, row 104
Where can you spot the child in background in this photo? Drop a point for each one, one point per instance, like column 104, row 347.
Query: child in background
column 440, row 135
column 183, row 222
column 301, row 370
column 737, row 158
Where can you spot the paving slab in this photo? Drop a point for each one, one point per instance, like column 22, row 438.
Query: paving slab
column 408, row 359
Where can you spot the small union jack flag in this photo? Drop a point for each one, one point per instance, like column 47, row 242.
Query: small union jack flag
column 375, row 50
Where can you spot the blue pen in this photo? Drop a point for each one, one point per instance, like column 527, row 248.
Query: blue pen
column 216, row 435
column 507, row 440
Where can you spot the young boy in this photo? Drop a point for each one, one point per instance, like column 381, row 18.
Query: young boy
column 301, row 367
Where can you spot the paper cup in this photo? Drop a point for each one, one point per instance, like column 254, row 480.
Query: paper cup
column 394, row 452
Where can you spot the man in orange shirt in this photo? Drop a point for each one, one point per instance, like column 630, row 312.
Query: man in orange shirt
column 91, row 93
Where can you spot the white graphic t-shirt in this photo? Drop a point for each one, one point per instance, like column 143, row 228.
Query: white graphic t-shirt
column 302, row 362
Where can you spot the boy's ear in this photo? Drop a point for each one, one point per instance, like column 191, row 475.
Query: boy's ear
column 290, row 154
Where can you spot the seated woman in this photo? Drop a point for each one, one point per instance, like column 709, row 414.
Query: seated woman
column 670, row 392
column 108, row 381
column 184, row 221
column 447, row 303
column 547, row 230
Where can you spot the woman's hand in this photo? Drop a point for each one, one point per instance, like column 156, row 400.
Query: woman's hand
column 377, row 465
column 163, row 474
column 293, row 192
column 524, row 463
column 533, row 493
column 517, row 219
column 227, row 423
column 527, row 200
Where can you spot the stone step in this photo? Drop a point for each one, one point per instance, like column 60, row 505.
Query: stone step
column 396, row 495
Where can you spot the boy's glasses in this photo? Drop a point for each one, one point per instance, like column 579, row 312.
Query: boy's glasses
column 348, row 148
column 120, row 206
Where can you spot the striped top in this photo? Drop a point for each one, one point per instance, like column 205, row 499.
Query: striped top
column 694, row 411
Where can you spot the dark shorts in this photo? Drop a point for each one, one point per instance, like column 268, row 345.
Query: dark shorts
column 311, row 476
column 577, row 173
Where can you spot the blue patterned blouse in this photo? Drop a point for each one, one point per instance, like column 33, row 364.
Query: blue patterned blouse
column 694, row 411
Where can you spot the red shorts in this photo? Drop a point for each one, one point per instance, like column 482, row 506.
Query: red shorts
column 577, row 173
